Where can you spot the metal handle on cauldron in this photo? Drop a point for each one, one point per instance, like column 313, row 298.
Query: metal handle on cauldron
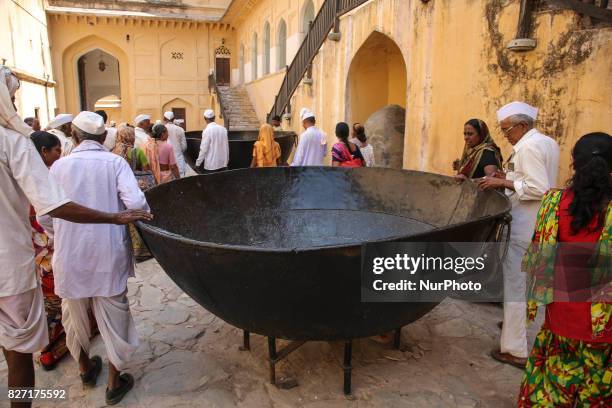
column 507, row 225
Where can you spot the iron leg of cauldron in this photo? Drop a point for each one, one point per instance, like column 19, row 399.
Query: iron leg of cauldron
column 275, row 357
column 397, row 339
column 348, row 368
column 246, row 341
column 272, row 358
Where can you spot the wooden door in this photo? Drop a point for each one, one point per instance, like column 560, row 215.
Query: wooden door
column 179, row 113
column 222, row 71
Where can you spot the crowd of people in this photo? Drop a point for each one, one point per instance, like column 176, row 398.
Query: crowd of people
column 70, row 189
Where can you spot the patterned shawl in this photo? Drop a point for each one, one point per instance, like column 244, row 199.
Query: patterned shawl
column 471, row 156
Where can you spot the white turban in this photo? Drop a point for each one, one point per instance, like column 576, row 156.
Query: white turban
column 60, row 120
column 306, row 113
column 209, row 114
column 8, row 116
column 90, row 122
column 517, row 108
column 141, row 118
column 169, row 115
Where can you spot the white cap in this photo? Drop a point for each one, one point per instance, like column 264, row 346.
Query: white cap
column 60, row 120
column 517, row 108
column 169, row 115
column 90, row 122
column 141, row 118
column 179, row 121
column 209, row 114
column 306, row 113
column 158, row 122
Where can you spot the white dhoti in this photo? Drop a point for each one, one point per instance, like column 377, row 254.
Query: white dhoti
column 23, row 323
column 115, row 323
column 516, row 337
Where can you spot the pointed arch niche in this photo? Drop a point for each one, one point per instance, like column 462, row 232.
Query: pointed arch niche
column 377, row 79
column 71, row 87
column 182, row 110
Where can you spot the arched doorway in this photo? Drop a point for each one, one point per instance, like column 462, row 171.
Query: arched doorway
column 266, row 49
column 223, row 65
column 241, row 63
column 308, row 16
column 254, row 55
column 99, row 78
column 281, row 46
column 376, row 91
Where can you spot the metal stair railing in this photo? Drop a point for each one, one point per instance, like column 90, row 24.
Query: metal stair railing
column 326, row 19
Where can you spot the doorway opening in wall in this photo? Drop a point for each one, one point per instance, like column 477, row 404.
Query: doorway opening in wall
column 111, row 104
column 223, row 66
column 99, row 81
column 180, row 117
column 376, row 97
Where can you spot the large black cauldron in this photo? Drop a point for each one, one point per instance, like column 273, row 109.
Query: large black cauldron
column 240, row 147
column 277, row 251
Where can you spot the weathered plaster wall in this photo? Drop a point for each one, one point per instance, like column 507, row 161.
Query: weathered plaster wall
column 262, row 95
column 162, row 63
column 457, row 68
column 24, row 45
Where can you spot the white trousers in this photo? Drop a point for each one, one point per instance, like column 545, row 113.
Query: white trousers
column 516, row 337
column 23, row 322
column 115, row 323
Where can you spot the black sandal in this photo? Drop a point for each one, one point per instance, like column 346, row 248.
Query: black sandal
column 90, row 378
column 115, row 396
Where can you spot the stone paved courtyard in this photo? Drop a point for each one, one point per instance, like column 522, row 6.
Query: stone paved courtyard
column 190, row 358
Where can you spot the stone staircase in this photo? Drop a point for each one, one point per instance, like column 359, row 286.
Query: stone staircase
column 241, row 112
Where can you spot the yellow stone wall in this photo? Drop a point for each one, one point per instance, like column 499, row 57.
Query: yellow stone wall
column 457, row 68
column 152, row 81
column 24, row 45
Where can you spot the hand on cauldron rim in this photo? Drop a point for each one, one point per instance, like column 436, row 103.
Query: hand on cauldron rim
column 130, row 216
column 460, row 178
column 489, row 183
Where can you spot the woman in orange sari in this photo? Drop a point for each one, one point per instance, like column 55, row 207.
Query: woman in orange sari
column 266, row 151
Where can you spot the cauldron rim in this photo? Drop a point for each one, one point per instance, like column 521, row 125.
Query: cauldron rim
column 257, row 249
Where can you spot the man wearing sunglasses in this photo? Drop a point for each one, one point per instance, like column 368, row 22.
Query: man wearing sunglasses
column 530, row 172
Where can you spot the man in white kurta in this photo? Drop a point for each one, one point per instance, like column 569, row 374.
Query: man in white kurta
column 141, row 132
column 176, row 138
column 92, row 263
column 60, row 127
column 214, row 148
column 312, row 144
column 530, row 172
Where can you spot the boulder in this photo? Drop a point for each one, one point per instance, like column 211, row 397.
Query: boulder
column 385, row 131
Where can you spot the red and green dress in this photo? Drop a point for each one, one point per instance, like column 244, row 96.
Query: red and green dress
column 571, row 361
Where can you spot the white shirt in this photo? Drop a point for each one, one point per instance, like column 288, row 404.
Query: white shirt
column 24, row 179
column 111, row 138
column 214, row 149
column 141, row 138
column 311, row 149
column 533, row 168
column 65, row 141
column 176, row 138
column 94, row 259
column 368, row 155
